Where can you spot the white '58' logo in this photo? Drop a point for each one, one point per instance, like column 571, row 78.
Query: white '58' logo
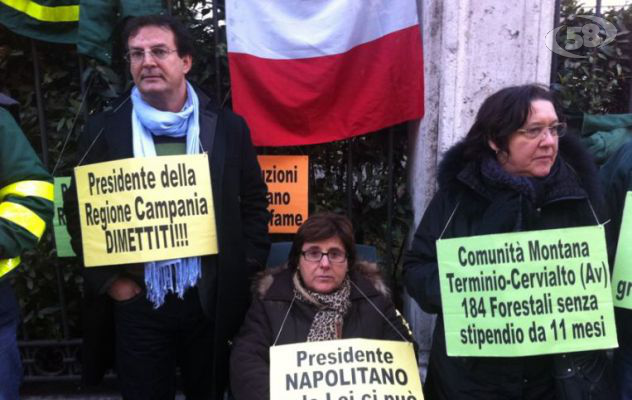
column 587, row 35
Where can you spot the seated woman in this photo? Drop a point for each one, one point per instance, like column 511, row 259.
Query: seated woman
column 323, row 293
column 514, row 171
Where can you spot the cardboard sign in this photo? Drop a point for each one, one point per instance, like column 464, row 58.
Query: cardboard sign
column 62, row 238
column 526, row 293
column 622, row 274
column 287, row 178
column 360, row 369
column 146, row 209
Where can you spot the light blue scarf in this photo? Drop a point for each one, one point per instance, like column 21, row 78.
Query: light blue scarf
column 177, row 275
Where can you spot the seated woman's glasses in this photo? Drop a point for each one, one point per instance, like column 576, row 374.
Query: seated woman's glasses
column 333, row 255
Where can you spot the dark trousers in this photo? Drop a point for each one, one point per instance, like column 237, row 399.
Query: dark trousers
column 623, row 355
column 150, row 343
column 485, row 378
column 10, row 364
column 623, row 370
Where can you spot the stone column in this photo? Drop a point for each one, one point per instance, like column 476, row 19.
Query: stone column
column 471, row 49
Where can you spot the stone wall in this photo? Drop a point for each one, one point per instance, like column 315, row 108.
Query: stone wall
column 471, row 49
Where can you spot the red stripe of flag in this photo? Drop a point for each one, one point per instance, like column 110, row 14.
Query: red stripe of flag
column 322, row 99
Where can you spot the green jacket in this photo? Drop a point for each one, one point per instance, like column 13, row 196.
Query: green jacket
column 616, row 178
column 26, row 194
column 602, row 134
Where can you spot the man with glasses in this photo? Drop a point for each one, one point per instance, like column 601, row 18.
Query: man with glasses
column 155, row 329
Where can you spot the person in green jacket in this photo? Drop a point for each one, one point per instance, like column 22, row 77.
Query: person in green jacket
column 616, row 178
column 26, row 206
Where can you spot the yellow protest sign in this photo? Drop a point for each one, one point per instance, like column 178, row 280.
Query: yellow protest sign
column 287, row 179
column 359, row 369
column 146, row 209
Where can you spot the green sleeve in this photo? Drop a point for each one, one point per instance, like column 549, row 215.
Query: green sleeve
column 19, row 164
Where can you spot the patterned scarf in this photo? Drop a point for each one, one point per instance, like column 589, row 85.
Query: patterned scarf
column 332, row 308
column 177, row 275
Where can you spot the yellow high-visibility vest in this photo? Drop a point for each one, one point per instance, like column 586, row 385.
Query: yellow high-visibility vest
column 21, row 215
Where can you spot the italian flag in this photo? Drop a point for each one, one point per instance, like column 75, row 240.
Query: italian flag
column 314, row 71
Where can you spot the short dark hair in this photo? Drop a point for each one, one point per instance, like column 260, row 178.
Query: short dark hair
column 500, row 115
column 323, row 226
column 183, row 38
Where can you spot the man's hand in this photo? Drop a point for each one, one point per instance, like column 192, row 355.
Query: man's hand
column 123, row 289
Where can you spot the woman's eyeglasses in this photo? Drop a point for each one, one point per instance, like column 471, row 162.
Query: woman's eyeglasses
column 315, row 255
column 557, row 129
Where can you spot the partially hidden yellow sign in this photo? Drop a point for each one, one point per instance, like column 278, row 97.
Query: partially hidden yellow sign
column 287, row 179
column 146, row 209
column 359, row 369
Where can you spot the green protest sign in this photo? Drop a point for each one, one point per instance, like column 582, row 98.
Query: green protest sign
column 526, row 293
column 622, row 274
column 62, row 239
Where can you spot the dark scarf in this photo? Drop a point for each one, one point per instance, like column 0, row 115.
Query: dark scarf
column 533, row 188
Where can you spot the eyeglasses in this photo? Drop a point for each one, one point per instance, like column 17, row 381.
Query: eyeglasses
column 558, row 129
column 158, row 53
column 334, row 255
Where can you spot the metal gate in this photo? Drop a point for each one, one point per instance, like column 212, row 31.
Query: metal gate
column 368, row 173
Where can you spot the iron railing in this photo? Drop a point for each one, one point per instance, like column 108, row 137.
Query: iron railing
column 60, row 360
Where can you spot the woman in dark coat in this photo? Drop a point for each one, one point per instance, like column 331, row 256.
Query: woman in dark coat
column 507, row 175
column 322, row 294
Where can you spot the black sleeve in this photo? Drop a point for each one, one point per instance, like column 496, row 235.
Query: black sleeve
column 250, row 360
column 396, row 327
column 421, row 272
column 254, row 205
column 91, row 149
column 88, row 140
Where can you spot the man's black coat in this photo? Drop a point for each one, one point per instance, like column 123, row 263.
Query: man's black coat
column 239, row 196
